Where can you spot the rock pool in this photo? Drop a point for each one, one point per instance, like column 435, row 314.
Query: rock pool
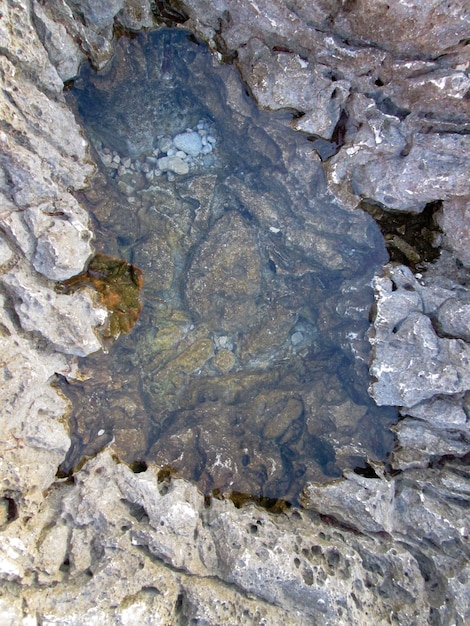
column 248, row 369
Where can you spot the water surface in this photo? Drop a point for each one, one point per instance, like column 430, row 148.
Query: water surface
column 248, row 369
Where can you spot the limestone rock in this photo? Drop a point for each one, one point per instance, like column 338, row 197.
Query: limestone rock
column 454, row 221
column 116, row 547
column 98, row 16
column 277, row 79
column 453, row 318
column 410, row 362
column 62, row 243
column 64, row 53
column 408, row 183
column 190, row 143
column 68, row 323
column 421, row 30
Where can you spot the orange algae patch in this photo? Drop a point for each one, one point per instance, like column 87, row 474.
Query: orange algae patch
column 118, row 285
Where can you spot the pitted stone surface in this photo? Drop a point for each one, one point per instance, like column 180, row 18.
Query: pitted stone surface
column 370, row 550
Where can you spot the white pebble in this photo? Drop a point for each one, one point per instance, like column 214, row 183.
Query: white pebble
column 106, row 158
column 101, row 432
column 116, row 158
column 297, row 338
column 190, row 142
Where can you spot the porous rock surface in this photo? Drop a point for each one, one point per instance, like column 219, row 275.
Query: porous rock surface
column 117, row 547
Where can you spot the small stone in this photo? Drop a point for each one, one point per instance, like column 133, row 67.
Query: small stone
column 173, row 164
column 297, row 338
column 224, row 360
column 116, row 158
column 106, row 158
column 189, row 142
column 165, row 144
column 124, row 188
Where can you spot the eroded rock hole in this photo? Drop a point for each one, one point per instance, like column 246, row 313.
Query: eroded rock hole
column 248, row 368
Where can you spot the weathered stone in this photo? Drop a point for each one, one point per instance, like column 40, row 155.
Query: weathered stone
column 96, row 551
column 136, row 14
column 64, row 53
column 277, row 78
column 68, row 323
column 454, row 221
column 411, row 363
column 63, row 244
column 98, row 16
column 408, row 182
column 453, row 317
column 173, row 164
column 420, row 31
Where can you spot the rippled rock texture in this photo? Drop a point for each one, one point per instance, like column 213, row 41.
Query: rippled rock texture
column 117, row 546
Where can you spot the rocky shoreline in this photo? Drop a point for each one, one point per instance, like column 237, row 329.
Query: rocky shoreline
column 387, row 87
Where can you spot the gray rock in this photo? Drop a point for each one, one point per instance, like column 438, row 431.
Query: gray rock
column 410, row 362
column 434, row 169
column 63, row 243
column 419, row 443
column 406, row 559
column 98, row 16
column 282, row 80
column 64, row 52
column 407, row 29
column 453, row 317
column 442, row 412
column 68, row 323
column 454, row 220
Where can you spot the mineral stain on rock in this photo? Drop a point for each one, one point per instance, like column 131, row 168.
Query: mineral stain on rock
column 248, row 369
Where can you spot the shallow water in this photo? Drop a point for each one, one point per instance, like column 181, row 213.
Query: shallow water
column 247, row 370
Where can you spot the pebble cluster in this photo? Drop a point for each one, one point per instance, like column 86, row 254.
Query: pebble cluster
column 173, row 156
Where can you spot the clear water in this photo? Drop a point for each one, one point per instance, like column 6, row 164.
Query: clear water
column 248, row 369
